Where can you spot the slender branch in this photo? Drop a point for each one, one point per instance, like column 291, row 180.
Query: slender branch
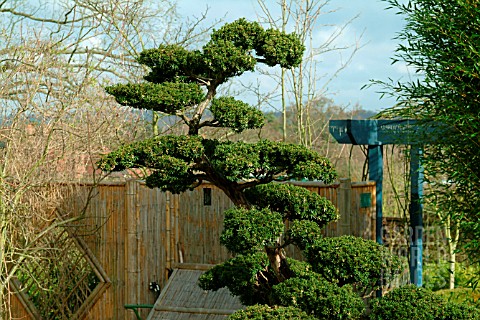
column 44, row 20
column 184, row 117
column 208, row 123
column 195, row 121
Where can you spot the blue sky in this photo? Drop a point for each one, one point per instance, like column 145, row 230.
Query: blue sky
column 377, row 26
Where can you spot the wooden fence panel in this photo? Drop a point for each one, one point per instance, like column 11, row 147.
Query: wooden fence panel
column 105, row 221
column 200, row 225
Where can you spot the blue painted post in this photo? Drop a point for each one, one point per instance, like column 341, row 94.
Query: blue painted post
column 416, row 217
column 376, row 133
column 375, row 165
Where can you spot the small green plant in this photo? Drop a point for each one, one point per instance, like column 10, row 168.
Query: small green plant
column 458, row 311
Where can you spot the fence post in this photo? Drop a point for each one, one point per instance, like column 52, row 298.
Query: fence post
column 168, row 232
column 416, row 216
column 344, row 207
column 132, row 274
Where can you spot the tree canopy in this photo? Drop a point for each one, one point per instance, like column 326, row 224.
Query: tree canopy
column 440, row 41
column 184, row 83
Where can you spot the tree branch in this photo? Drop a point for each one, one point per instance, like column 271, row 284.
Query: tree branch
column 195, row 121
column 208, row 123
column 43, row 20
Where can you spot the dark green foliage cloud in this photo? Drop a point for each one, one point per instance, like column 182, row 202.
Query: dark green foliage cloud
column 352, row 260
column 411, row 302
column 303, row 233
column 285, row 50
column 319, row 297
column 293, row 202
column 264, row 312
column 151, row 153
column 250, row 230
column 171, row 63
column 235, row 114
column 241, row 275
column 268, row 160
column 170, row 159
column 167, row 97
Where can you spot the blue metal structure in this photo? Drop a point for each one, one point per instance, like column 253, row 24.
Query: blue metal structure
column 375, row 134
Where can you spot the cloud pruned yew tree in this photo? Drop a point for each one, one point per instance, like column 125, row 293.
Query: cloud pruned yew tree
column 184, row 83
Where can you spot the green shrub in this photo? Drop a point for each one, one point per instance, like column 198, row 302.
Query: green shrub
column 436, row 275
column 457, row 311
column 300, row 269
column 352, row 260
column 320, row 298
column 236, row 114
column 407, row 302
column 411, row 302
column 264, row 312
column 249, row 230
column 465, row 274
column 303, row 233
column 242, row 275
column 293, row 202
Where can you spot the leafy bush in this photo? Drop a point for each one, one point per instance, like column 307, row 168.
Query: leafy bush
column 407, row 302
column 457, row 311
column 411, row 302
column 266, row 159
column 264, row 312
column 436, row 275
column 165, row 97
column 303, row 233
column 153, row 152
column 466, row 274
column 242, row 275
column 236, row 114
column 247, row 231
column 352, row 260
column 300, row 269
column 293, row 202
column 319, row 297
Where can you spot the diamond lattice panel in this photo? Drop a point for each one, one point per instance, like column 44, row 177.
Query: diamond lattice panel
column 61, row 280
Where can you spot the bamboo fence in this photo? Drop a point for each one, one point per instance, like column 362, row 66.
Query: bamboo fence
column 136, row 235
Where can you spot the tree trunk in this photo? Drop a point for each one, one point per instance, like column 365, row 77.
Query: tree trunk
column 278, row 262
column 238, row 197
column 452, row 261
column 275, row 253
column 453, row 234
column 452, row 247
column 155, row 119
